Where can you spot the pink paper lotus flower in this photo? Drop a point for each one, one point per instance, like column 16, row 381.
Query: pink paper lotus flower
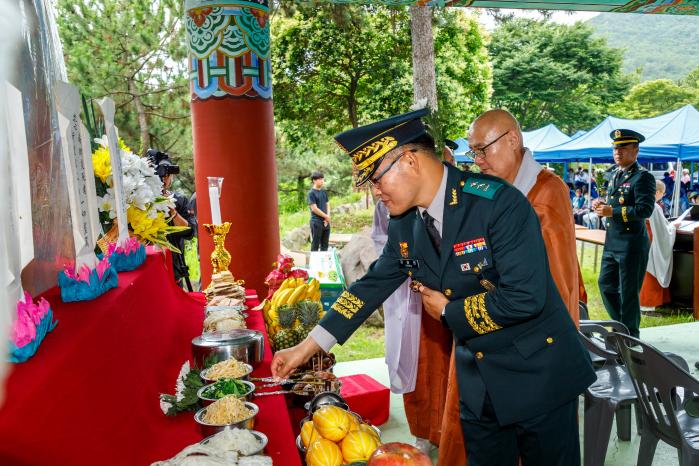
column 29, row 315
column 83, row 274
column 102, row 267
column 130, row 246
column 42, row 309
column 70, row 272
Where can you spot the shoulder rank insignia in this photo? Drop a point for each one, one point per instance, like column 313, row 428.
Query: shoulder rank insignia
column 454, row 197
column 482, row 188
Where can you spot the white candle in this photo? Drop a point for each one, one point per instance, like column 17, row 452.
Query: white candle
column 215, row 206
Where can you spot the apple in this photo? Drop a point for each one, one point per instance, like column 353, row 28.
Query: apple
column 398, row 454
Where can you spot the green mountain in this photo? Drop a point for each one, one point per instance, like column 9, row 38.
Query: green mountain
column 662, row 46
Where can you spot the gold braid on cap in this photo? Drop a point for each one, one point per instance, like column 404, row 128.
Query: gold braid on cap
column 364, row 157
column 625, row 141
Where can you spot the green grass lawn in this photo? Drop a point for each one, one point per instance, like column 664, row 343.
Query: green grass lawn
column 340, row 224
column 368, row 342
column 351, row 222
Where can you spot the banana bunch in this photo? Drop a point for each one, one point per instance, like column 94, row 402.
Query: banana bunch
column 291, row 291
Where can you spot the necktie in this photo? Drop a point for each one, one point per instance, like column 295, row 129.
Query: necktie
column 432, row 232
column 617, row 177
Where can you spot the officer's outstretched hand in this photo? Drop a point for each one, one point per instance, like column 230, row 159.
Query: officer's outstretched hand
column 433, row 301
column 287, row 360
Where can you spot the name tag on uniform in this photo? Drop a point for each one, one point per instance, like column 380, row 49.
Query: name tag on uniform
column 409, row 264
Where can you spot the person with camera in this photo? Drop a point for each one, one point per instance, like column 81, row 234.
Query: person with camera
column 181, row 215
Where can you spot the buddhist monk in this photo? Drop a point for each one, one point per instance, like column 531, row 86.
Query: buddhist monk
column 550, row 198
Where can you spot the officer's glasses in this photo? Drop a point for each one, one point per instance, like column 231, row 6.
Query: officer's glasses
column 479, row 152
column 375, row 180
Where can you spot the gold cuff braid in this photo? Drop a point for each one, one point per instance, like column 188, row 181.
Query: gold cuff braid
column 347, row 305
column 477, row 315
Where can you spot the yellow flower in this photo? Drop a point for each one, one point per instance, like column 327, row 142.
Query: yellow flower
column 123, row 146
column 151, row 230
column 102, row 164
column 144, row 227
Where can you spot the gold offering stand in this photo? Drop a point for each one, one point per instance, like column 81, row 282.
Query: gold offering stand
column 220, row 257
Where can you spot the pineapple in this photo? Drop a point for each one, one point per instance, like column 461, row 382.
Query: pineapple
column 287, row 336
column 309, row 315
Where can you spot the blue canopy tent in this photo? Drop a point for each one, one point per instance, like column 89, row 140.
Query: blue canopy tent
column 666, row 136
column 535, row 140
column 669, row 137
column 545, row 137
column 690, row 152
column 461, row 149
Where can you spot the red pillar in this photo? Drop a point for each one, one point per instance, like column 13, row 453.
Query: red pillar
column 233, row 131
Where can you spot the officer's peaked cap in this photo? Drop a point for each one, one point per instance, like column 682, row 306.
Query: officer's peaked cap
column 626, row 136
column 368, row 145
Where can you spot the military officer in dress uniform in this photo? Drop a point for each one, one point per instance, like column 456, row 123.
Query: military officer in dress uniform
column 630, row 201
column 472, row 245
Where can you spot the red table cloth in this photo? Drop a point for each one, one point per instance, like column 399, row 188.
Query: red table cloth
column 90, row 394
column 366, row 397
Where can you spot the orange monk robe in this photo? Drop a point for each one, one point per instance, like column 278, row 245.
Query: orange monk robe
column 551, row 201
column 424, row 407
column 581, row 286
column 652, row 293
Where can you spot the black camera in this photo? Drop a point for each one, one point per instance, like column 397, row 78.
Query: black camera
column 161, row 163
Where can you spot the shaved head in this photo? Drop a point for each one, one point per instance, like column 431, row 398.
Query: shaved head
column 497, row 119
column 497, row 134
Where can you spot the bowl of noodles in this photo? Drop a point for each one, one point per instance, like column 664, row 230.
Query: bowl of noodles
column 228, row 369
column 227, row 413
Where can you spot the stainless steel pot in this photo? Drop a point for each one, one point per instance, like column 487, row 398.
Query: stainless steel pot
column 245, row 345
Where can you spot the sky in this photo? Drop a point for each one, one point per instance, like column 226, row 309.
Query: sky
column 558, row 16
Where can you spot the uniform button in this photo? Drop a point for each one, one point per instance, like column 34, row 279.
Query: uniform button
column 447, row 292
column 476, row 269
column 549, row 340
column 461, row 183
column 479, row 355
column 410, row 273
